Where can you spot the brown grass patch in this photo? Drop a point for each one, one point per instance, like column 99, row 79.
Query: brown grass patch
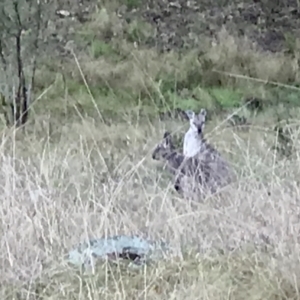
column 96, row 179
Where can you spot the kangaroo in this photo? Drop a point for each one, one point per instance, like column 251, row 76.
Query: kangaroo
column 194, row 141
column 195, row 145
column 190, row 168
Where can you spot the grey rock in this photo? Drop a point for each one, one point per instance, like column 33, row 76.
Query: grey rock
column 134, row 248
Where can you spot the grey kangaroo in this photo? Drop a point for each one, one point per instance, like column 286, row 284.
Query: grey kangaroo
column 191, row 173
column 195, row 145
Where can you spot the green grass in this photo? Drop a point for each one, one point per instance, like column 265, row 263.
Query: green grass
column 99, row 48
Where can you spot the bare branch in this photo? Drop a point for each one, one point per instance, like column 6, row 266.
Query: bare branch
column 36, row 40
column 2, row 57
column 21, row 24
column 16, row 8
column 5, row 109
column 21, row 111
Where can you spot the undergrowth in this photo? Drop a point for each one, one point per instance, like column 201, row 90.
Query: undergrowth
column 82, row 168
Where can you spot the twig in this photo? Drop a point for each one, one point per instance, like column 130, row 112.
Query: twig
column 258, row 80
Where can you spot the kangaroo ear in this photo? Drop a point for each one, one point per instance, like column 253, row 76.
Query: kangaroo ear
column 202, row 113
column 168, row 140
column 202, row 117
column 190, row 114
column 166, row 134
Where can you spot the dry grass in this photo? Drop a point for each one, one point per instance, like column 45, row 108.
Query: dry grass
column 94, row 180
column 64, row 183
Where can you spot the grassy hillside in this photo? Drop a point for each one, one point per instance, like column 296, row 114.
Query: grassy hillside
column 120, row 75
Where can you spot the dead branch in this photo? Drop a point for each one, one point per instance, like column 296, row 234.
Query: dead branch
column 38, row 18
column 21, row 109
column 2, row 57
column 20, row 28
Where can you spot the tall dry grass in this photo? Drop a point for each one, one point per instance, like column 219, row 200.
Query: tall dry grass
column 94, row 180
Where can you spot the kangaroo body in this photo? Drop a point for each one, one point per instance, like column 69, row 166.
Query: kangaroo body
column 201, row 168
column 191, row 144
column 195, row 145
column 194, row 142
column 191, row 173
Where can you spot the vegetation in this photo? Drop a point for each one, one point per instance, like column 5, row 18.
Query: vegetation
column 109, row 79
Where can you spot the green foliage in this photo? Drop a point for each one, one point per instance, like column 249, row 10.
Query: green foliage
column 290, row 98
column 290, row 42
column 227, row 97
column 134, row 76
column 132, row 4
column 138, row 31
column 99, row 48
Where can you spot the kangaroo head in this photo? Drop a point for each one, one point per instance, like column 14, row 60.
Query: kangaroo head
column 164, row 148
column 197, row 122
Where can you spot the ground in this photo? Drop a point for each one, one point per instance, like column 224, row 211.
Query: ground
column 82, row 168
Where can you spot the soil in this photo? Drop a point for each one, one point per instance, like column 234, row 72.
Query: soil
column 272, row 25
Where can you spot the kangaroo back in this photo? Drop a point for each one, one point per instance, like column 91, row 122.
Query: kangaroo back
column 165, row 151
column 190, row 172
